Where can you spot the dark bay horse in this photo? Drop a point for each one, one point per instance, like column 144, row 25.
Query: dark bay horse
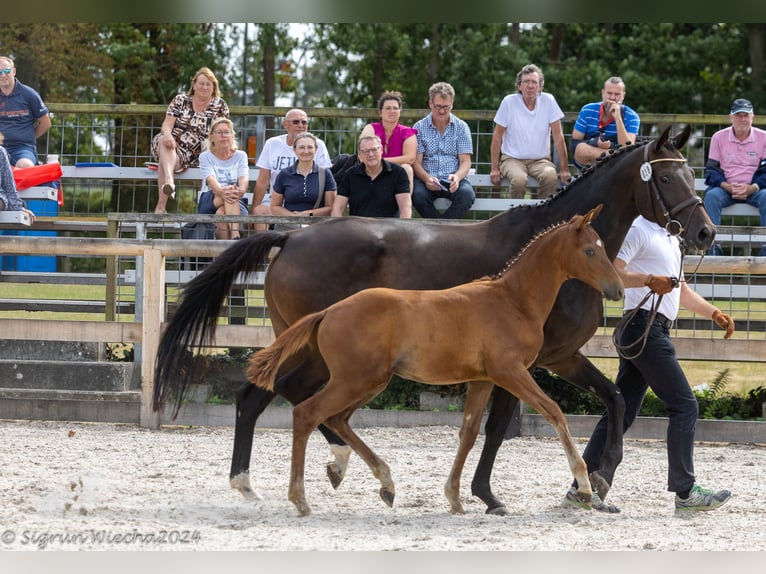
column 326, row 262
column 441, row 337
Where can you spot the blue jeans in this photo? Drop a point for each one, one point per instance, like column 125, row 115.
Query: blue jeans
column 423, row 200
column 717, row 198
column 656, row 367
column 19, row 151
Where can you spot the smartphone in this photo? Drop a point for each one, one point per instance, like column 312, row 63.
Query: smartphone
column 444, row 184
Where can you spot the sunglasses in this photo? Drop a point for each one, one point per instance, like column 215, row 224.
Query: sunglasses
column 6, row 71
column 301, row 122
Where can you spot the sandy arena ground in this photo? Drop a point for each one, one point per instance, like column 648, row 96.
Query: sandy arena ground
column 71, row 486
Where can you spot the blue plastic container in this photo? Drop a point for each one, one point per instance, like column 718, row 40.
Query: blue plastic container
column 38, row 263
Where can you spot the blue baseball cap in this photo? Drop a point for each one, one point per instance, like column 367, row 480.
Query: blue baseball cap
column 741, row 105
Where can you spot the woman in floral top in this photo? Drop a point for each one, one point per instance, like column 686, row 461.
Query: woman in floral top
column 185, row 128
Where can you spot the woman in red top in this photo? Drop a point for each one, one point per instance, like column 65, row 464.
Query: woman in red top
column 399, row 142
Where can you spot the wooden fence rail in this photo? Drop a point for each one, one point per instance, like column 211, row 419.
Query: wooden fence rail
column 145, row 329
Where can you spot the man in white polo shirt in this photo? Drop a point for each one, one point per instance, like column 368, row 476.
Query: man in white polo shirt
column 278, row 154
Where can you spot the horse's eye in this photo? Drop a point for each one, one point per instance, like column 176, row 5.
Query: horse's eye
column 590, row 252
column 665, row 179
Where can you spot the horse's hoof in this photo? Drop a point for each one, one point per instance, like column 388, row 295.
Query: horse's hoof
column 336, row 470
column 334, row 474
column 498, row 511
column 241, row 482
column 456, row 508
column 303, row 508
column 387, row 496
column 599, row 484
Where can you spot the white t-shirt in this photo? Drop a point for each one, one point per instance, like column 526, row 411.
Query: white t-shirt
column 277, row 155
column 527, row 132
column 227, row 172
column 649, row 249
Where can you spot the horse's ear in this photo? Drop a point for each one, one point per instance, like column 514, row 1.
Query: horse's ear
column 680, row 139
column 591, row 215
column 662, row 140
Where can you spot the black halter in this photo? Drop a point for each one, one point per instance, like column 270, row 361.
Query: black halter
column 671, row 225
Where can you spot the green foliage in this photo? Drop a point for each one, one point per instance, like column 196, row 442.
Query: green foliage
column 401, row 394
column 714, row 401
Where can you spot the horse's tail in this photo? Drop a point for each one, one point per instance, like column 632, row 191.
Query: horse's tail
column 263, row 366
column 192, row 327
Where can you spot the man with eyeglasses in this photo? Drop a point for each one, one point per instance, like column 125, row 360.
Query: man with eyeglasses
column 521, row 141
column 443, row 158
column 23, row 116
column 277, row 154
column 604, row 125
column 375, row 187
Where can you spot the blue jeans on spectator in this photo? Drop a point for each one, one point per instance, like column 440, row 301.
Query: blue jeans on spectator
column 656, row 367
column 423, row 200
column 717, row 198
column 19, row 151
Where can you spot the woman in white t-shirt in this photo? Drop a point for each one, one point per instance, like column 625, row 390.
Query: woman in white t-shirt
column 225, row 177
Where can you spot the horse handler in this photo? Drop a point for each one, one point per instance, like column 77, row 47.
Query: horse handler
column 649, row 263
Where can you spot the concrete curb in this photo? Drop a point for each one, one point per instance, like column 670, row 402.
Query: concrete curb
column 580, row 426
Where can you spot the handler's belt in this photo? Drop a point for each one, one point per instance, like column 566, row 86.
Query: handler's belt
column 659, row 318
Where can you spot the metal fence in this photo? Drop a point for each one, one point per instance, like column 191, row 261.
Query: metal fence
column 120, row 135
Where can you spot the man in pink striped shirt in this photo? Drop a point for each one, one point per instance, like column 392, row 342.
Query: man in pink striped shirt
column 735, row 171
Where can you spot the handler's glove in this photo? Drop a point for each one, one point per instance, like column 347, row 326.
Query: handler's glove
column 662, row 284
column 724, row 321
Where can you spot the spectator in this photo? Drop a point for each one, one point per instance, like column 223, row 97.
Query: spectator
column 735, row 171
column 443, row 158
column 224, row 176
column 296, row 187
column 23, row 116
column 649, row 263
column 277, row 154
column 521, row 142
column 185, row 130
column 9, row 197
column 400, row 143
column 376, row 187
column 600, row 128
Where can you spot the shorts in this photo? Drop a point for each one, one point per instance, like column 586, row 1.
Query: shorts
column 186, row 158
column 21, row 151
column 207, row 206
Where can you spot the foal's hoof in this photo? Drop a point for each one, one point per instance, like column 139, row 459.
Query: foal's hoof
column 498, row 511
column 303, row 508
column 387, row 496
column 456, row 507
column 241, row 482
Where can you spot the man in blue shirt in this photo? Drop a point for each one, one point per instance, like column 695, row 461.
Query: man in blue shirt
column 599, row 126
column 23, row 116
column 443, row 158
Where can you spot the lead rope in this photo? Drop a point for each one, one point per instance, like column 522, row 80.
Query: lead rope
column 672, row 227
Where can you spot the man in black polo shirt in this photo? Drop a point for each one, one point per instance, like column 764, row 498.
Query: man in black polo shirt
column 375, row 187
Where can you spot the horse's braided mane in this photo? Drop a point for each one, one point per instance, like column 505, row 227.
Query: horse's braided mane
column 588, row 171
column 585, row 173
column 512, row 260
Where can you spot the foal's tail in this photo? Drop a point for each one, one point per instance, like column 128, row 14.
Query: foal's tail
column 193, row 324
column 263, row 366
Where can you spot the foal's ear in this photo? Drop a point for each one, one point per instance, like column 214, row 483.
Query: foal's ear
column 591, row 215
